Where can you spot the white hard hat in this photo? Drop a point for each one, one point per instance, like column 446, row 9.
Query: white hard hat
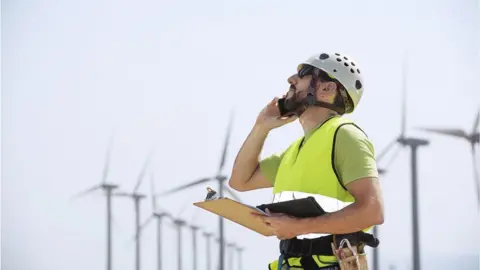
column 342, row 68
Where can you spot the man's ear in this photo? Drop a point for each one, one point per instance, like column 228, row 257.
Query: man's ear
column 327, row 87
column 331, row 87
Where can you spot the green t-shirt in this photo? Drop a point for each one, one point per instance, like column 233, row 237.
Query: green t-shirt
column 354, row 156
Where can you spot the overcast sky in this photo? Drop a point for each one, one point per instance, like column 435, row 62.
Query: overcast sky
column 168, row 73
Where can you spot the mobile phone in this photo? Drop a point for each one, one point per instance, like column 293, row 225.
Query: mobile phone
column 284, row 112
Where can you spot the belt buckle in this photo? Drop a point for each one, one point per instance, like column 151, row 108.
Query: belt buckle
column 309, row 244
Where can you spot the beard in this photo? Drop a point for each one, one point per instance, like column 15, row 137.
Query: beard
column 295, row 101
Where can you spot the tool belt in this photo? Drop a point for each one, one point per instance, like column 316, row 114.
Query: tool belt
column 322, row 246
column 347, row 248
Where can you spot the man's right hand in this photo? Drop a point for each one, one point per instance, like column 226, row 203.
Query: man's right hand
column 269, row 118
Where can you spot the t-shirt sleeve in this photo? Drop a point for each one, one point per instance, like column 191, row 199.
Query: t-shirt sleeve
column 354, row 155
column 269, row 166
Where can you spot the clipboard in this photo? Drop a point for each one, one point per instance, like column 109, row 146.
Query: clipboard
column 241, row 213
column 237, row 212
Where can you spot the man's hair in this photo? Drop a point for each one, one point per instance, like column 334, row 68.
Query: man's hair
column 342, row 99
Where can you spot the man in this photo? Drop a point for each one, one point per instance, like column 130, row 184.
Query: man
column 334, row 162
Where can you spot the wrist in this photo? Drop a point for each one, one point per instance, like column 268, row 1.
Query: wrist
column 260, row 130
column 306, row 226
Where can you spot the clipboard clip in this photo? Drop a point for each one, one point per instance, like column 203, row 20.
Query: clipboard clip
column 211, row 195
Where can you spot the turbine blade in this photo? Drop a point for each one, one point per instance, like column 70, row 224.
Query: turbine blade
column 115, row 222
column 386, row 149
column 225, row 145
column 476, row 175
column 394, row 156
column 476, row 122
column 446, row 131
column 146, row 222
column 152, row 191
column 121, row 194
column 381, row 171
column 106, row 166
column 142, row 226
column 83, row 193
column 144, row 168
column 234, row 196
column 200, row 181
column 404, row 98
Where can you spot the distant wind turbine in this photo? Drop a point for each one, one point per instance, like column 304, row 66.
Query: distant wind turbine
column 137, row 197
column 221, row 186
column 108, row 189
column 239, row 256
column 194, row 229
column 414, row 144
column 473, row 138
column 231, row 250
column 159, row 216
column 179, row 223
column 208, row 236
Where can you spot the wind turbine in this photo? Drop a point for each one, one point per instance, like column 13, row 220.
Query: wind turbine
column 231, row 248
column 159, row 216
column 194, row 229
column 179, row 223
column 208, row 236
column 239, row 256
column 473, row 138
column 108, row 189
column 137, row 197
column 221, row 186
column 414, row 144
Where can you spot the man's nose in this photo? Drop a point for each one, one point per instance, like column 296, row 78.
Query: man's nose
column 293, row 79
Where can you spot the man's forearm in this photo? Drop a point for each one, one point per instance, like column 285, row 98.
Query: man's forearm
column 247, row 158
column 352, row 218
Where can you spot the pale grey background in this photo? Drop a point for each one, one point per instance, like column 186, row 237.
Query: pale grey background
column 167, row 73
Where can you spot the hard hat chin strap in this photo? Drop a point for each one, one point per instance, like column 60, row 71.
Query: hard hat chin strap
column 311, row 99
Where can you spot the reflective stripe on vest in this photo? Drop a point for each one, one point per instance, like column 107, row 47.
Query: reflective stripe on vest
column 310, row 172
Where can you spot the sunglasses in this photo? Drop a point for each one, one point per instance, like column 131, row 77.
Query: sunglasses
column 309, row 70
column 304, row 71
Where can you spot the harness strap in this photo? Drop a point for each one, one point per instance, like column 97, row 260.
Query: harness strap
column 308, row 263
column 322, row 246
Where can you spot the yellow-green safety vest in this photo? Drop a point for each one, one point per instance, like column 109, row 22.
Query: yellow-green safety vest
column 309, row 169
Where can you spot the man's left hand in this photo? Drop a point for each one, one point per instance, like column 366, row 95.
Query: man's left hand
column 283, row 226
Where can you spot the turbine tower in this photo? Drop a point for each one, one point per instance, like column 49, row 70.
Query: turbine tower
column 239, row 256
column 159, row 215
column 108, row 189
column 137, row 197
column 208, row 236
column 231, row 250
column 414, row 144
column 179, row 224
column 194, row 229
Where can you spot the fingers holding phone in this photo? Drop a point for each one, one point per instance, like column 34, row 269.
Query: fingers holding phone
column 270, row 117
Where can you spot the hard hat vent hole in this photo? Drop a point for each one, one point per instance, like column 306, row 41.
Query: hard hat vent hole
column 324, row 56
column 353, row 64
column 339, row 59
column 345, row 58
column 358, row 70
column 358, row 85
column 346, row 64
column 337, row 54
column 334, row 70
column 351, row 70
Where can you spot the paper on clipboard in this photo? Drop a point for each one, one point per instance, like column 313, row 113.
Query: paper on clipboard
column 237, row 212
